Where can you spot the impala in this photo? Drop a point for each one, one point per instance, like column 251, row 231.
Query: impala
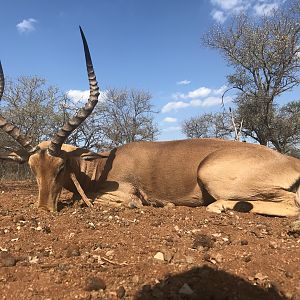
column 217, row 173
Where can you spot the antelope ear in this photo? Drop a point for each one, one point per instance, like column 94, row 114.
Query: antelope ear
column 14, row 157
column 92, row 155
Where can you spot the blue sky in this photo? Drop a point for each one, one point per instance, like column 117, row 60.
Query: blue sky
column 154, row 45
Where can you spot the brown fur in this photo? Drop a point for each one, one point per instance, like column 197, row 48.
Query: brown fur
column 220, row 174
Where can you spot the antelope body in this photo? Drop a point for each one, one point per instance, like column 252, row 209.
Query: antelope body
column 217, row 173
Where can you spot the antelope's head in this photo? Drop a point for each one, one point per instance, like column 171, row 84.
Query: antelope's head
column 48, row 159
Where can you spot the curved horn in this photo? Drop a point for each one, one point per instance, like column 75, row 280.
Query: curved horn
column 60, row 137
column 1, row 81
column 11, row 129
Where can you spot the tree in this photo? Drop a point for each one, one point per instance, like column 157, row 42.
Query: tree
column 33, row 106
column 264, row 54
column 286, row 131
column 208, row 126
column 123, row 116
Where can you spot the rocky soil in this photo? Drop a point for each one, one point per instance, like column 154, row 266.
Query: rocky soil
column 148, row 253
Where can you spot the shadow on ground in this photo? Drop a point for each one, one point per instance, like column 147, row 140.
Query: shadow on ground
column 206, row 283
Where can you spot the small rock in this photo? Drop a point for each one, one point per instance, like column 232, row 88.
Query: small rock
column 202, row 241
column 133, row 205
column 94, row 284
column 91, row 225
column 121, row 292
column 288, row 274
column 247, row 258
column 7, row 260
column 135, row 279
column 206, row 257
column 159, row 256
column 186, row 290
column 169, row 205
column 244, row 242
column 273, row 245
column 72, row 250
column 295, row 229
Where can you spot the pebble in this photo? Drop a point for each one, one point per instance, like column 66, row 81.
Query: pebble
column 295, row 228
column 7, row 260
column 273, row 245
column 169, row 205
column 133, row 205
column 121, row 292
column 135, row 279
column 247, row 258
column 94, row 284
column 159, row 256
column 202, row 241
column 244, row 242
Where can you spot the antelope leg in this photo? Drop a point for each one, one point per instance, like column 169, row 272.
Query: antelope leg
column 81, row 191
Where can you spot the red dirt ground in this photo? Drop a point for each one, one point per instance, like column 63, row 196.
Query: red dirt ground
column 109, row 253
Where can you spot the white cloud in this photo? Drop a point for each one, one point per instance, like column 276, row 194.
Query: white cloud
column 227, row 4
column 209, row 101
column 265, row 9
column 77, row 95
column 174, row 106
column 201, row 92
column 26, row 26
column 201, row 97
column 170, row 120
column 183, row 82
column 222, row 9
column 82, row 96
column 218, row 16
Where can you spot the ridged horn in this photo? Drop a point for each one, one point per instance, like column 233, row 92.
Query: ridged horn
column 1, row 81
column 60, row 137
column 11, row 129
